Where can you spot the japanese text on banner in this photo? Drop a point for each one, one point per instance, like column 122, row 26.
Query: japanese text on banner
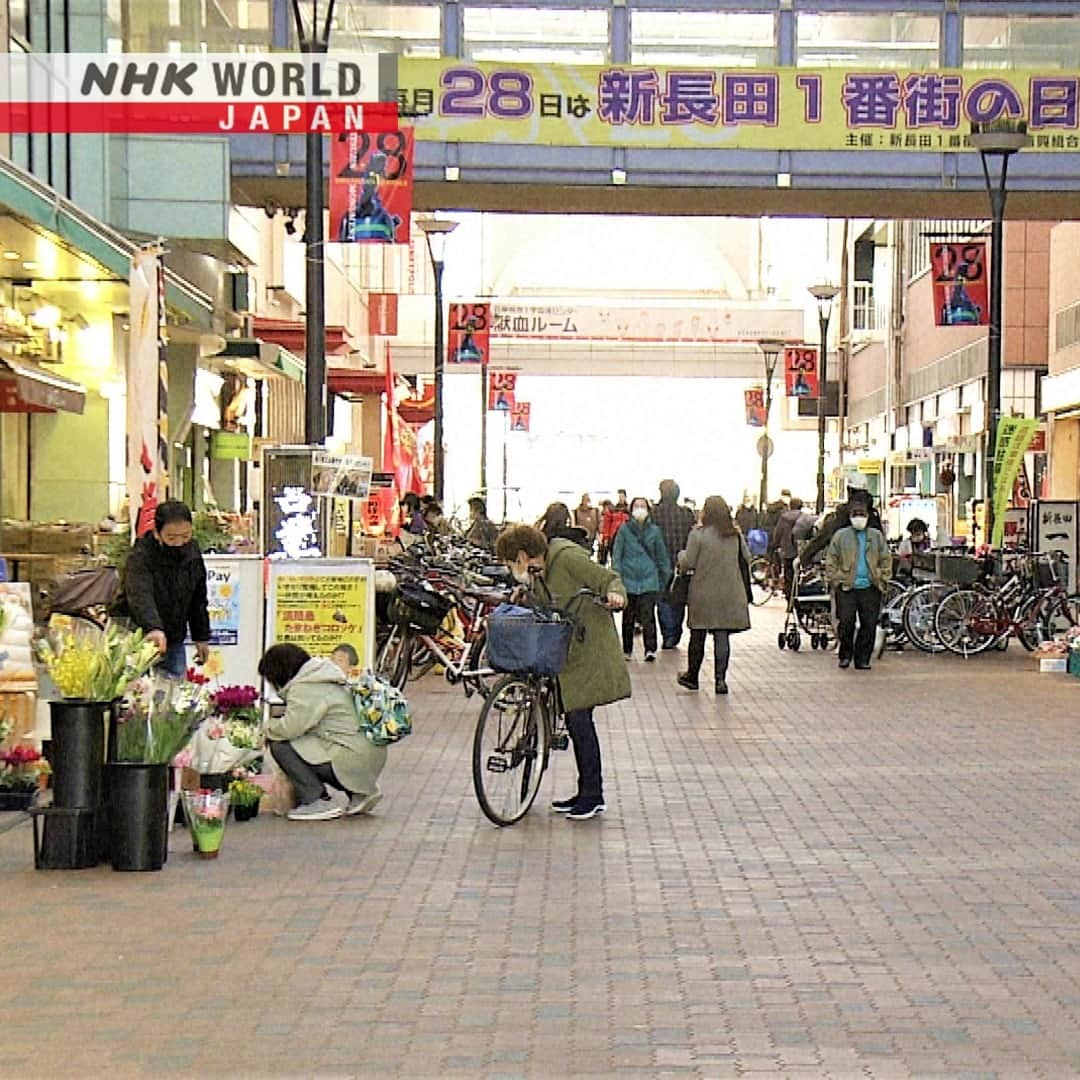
column 1014, row 435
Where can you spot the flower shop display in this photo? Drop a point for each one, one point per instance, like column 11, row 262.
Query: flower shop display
column 244, row 797
column 382, row 711
column 155, row 720
column 22, row 769
column 90, row 664
column 206, row 812
column 231, row 738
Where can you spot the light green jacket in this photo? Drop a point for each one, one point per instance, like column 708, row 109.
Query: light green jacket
column 320, row 722
column 843, row 553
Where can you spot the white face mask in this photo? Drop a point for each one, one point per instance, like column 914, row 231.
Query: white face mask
column 640, row 513
column 522, row 577
column 859, row 522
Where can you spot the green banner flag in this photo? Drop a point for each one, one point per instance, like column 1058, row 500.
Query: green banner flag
column 1014, row 436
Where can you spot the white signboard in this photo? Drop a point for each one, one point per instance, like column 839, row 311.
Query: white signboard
column 1055, row 530
column 343, row 476
column 234, row 592
column 554, row 321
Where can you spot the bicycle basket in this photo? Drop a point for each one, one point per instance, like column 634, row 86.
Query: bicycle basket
column 523, row 641
column 1045, row 572
column 420, row 607
column 960, row 570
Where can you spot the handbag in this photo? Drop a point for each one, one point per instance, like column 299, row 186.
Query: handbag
column 679, row 593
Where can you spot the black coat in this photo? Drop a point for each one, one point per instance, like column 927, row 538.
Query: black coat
column 161, row 593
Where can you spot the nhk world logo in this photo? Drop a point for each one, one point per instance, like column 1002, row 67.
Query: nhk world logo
column 211, row 93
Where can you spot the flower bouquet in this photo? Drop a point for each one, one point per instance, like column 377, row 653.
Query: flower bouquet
column 206, row 812
column 158, row 717
column 21, row 771
column 90, row 664
column 382, row 712
column 231, row 738
column 244, row 797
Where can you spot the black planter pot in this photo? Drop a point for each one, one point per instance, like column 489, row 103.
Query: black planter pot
column 16, row 800
column 78, row 753
column 245, row 813
column 215, row 781
column 138, row 815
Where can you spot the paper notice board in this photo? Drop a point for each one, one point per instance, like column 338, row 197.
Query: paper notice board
column 319, row 604
column 234, row 601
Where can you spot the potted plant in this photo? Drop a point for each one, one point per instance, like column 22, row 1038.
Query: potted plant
column 155, row 720
column 22, row 769
column 244, row 797
column 206, row 812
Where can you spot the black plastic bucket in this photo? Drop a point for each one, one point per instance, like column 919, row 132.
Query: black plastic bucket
column 78, row 753
column 138, row 815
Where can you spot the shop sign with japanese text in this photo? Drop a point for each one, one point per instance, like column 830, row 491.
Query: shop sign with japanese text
column 552, row 321
column 731, row 109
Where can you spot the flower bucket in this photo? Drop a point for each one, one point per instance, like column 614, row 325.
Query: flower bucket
column 245, row 813
column 206, row 813
column 78, row 753
column 138, row 815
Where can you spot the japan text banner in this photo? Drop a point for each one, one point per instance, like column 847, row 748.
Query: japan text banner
column 711, row 108
column 371, row 187
column 800, row 371
column 959, row 278
column 467, row 341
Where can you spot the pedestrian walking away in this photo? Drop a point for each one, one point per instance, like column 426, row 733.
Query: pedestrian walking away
column 717, row 556
column 675, row 523
column 641, row 560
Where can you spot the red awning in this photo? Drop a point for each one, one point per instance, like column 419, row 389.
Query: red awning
column 27, row 387
column 291, row 334
column 418, row 410
column 349, row 382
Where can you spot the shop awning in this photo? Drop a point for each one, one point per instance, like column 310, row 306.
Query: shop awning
column 27, row 387
column 258, row 359
column 45, row 211
column 353, row 384
column 291, row 334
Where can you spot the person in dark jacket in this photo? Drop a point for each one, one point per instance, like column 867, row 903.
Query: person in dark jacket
column 641, row 560
column 747, row 516
column 412, row 519
column 165, row 588
column 675, row 523
column 555, row 525
column 784, row 538
column 482, row 531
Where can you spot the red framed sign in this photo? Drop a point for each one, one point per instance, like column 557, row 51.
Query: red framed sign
column 371, row 187
column 501, row 391
column 801, row 371
column 960, row 290
column 520, row 416
column 468, row 339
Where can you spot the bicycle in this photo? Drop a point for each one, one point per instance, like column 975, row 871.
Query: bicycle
column 766, row 579
column 521, row 722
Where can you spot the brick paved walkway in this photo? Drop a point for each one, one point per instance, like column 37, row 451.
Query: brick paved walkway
column 825, row 874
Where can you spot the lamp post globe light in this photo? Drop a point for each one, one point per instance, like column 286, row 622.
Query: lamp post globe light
column 436, row 230
column 824, row 295
column 313, row 21
column 996, row 142
column 770, row 351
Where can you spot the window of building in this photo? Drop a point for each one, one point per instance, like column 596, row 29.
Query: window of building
column 1021, row 41
column 180, row 26
column 882, row 41
column 703, row 38
column 536, row 35
column 406, row 29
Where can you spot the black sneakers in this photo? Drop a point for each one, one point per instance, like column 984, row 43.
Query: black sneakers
column 686, row 682
column 564, row 806
column 584, row 809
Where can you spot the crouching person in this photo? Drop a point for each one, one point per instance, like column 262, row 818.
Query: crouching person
column 333, row 767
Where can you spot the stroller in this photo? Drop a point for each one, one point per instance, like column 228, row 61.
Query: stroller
column 809, row 611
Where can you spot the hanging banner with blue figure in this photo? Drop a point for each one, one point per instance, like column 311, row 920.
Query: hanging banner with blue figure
column 959, row 276
column 469, row 334
column 801, row 371
column 501, row 391
column 371, row 182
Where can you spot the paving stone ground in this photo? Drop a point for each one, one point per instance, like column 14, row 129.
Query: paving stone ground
column 826, row 874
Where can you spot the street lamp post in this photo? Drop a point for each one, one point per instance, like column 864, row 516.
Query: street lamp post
column 996, row 143
column 314, row 40
column 436, row 230
column 824, row 295
column 770, row 351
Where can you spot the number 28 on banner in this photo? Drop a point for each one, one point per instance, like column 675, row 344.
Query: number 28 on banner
column 800, row 372
column 960, row 290
column 371, row 187
column 470, row 331
column 500, row 391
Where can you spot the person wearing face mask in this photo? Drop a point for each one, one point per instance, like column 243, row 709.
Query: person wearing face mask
column 164, row 590
column 641, row 560
column 594, row 673
column 858, row 565
column 747, row 516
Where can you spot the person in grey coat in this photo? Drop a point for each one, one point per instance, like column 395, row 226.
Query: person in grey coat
column 317, row 743
column 719, row 590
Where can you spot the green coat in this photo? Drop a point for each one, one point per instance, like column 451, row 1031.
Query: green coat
column 843, row 553
column 320, row 722
column 595, row 672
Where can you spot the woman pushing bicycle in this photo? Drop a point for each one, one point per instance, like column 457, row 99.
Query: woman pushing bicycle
column 595, row 673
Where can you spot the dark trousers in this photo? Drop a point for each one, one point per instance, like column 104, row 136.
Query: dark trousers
column 582, row 730
column 671, row 622
column 642, row 607
column 695, row 655
column 307, row 779
column 789, row 577
column 865, row 605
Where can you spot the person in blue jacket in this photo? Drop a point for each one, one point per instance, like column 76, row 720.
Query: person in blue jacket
column 641, row 560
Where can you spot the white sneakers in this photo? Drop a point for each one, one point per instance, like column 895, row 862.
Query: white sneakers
column 332, row 805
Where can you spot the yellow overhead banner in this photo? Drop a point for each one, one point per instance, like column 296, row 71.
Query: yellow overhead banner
column 731, row 109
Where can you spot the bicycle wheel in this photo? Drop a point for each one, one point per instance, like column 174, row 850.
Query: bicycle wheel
column 395, row 656
column 918, row 616
column 761, row 587
column 966, row 622
column 478, row 661
column 510, row 750
column 421, row 661
column 1031, row 624
column 1060, row 614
